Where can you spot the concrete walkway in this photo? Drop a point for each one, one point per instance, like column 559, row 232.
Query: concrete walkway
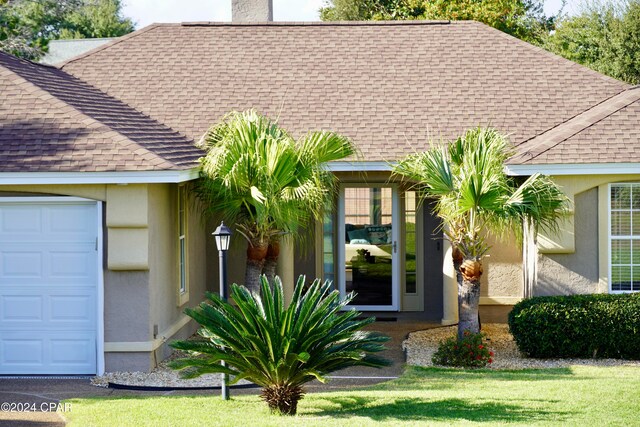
column 44, row 395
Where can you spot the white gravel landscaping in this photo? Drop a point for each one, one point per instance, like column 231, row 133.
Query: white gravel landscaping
column 420, row 347
column 162, row 376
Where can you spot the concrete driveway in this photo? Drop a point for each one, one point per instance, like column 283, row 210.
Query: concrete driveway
column 33, row 401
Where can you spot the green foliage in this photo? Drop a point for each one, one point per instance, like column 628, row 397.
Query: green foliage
column 524, row 19
column 97, row 18
column 26, row 26
column 263, row 180
column 275, row 346
column 600, row 325
column 474, row 195
column 604, row 37
column 470, row 352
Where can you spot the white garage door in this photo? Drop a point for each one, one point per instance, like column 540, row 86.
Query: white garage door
column 48, row 286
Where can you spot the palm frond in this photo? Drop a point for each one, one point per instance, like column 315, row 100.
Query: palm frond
column 473, row 195
column 262, row 180
column 267, row 342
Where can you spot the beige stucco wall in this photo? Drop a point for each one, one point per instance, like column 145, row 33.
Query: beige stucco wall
column 502, row 277
column 166, row 304
column 577, row 259
column 576, row 272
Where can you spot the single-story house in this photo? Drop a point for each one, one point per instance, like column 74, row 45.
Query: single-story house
column 102, row 248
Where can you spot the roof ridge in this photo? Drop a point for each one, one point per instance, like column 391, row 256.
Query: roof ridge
column 26, row 61
column 92, row 123
column 108, row 44
column 553, row 137
column 80, row 40
column 310, row 23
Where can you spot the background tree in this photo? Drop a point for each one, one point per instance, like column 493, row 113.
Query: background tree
column 26, row 26
column 266, row 183
column 475, row 199
column 524, row 19
column 603, row 36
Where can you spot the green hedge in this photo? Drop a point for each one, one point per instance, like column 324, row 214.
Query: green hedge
column 585, row 326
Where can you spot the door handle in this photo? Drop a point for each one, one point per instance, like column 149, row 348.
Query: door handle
column 395, row 247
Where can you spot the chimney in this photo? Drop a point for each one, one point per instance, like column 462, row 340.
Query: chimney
column 251, row 10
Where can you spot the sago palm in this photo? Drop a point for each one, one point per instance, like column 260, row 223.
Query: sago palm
column 475, row 198
column 266, row 183
column 276, row 346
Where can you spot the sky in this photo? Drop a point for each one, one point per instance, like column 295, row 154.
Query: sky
column 145, row 12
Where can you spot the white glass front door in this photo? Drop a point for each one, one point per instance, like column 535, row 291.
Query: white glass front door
column 368, row 246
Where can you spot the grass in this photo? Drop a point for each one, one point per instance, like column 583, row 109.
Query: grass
column 579, row 396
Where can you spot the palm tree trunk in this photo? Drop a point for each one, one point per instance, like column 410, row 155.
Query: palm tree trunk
column 468, row 302
column 256, row 254
column 282, row 399
column 271, row 261
column 469, row 297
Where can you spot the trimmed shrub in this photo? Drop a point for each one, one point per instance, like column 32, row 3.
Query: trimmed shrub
column 585, row 326
column 471, row 352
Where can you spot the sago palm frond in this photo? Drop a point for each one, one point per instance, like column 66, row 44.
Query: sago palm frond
column 273, row 344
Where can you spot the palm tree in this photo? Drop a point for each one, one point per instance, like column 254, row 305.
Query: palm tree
column 267, row 183
column 279, row 347
column 475, row 198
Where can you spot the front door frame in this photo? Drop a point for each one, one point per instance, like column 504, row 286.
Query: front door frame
column 395, row 237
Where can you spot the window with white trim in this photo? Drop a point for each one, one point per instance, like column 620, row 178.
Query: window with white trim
column 624, row 237
column 182, row 239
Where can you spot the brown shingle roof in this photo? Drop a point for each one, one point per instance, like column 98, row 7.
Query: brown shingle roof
column 53, row 122
column 389, row 86
column 606, row 133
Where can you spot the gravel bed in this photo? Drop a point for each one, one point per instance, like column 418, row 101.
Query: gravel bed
column 162, row 376
column 420, row 347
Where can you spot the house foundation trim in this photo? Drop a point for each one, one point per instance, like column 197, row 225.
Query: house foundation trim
column 499, row 300
column 147, row 346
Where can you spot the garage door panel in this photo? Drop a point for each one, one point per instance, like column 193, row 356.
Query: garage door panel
column 21, row 309
column 20, row 220
column 47, row 309
column 79, row 265
column 75, row 308
column 16, row 350
column 56, row 264
column 74, row 220
column 76, row 351
column 48, row 287
column 21, row 264
column 47, row 353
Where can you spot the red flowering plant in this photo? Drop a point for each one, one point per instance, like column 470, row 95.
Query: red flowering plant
column 470, row 352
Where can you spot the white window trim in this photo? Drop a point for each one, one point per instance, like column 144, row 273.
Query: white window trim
column 182, row 241
column 340, row 255
column 610, row 236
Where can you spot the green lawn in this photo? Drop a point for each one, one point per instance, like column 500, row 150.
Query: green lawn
column 580, row 396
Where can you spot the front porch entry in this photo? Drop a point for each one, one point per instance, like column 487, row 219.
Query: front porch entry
column 375, row 243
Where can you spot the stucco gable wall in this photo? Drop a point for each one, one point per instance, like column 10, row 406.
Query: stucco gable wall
column 577, row 272
column 576, row 260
